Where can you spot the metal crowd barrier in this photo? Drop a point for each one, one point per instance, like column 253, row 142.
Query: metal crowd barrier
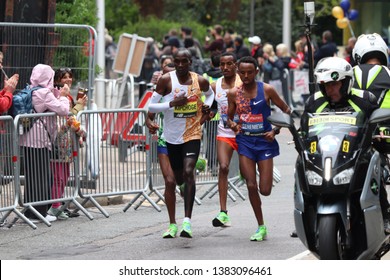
column 34, row 165
column 116, row 157
column 9, row 194
column 25, row 45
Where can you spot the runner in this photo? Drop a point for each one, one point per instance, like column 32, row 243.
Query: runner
column 255, row 136
column 226, row 138
column 178, row 95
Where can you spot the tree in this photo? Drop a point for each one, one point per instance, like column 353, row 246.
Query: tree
column 76, row 12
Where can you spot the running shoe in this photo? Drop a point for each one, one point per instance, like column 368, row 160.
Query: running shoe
column 171, row 232
column 186, row 230
column 260, row 235
column 222, row 220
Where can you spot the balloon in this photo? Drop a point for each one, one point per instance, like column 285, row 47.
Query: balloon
column 345, row 5
column 342, row 23
column 337, row 12
column 353, row 14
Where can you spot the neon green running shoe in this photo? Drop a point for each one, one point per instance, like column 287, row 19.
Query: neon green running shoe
column 260, row 235
column 186, row 230
column 222, row 220
column 171, row 232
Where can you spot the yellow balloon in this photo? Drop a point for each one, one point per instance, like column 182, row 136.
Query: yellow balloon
column 342, row 23
column 337, row 12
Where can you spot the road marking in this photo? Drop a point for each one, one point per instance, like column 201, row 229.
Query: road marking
column 301, row 255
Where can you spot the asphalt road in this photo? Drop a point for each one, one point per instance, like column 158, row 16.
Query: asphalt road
column 136, row 234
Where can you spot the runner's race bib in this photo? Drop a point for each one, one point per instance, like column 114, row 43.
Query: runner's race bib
column 252, row 125
column 190, row 109
column 224, row 118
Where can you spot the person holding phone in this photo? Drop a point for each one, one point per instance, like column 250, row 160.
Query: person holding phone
column 6, row 94
column 60, row 166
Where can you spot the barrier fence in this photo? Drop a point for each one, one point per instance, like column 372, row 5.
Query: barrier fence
column 118, row 156
column 72, row 46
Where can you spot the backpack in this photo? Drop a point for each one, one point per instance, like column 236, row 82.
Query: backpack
column 22, row 104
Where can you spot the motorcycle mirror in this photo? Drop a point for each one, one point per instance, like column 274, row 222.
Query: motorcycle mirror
column 379, row 115
column 281, row 120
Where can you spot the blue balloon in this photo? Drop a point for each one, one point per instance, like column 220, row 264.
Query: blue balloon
column 353, row 14
column 345, row 5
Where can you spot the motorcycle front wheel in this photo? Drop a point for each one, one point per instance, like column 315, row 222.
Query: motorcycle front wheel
column 328, row 238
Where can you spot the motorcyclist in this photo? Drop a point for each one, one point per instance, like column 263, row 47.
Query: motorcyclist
column 371, row 73
column 334, row 77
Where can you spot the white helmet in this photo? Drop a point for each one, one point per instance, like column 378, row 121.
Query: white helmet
column 331, row 69
column 370, row 46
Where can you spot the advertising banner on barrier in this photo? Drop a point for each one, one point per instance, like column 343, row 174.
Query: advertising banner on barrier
column 301, row 82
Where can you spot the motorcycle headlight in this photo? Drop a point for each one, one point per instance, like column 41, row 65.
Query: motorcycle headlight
column 343, row 177
column 313, row 178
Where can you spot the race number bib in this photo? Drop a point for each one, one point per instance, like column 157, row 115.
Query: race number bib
column 224, row 118
column 187, row 111
column 252, row 125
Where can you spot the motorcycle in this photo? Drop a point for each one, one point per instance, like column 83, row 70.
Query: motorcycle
column 338, row 172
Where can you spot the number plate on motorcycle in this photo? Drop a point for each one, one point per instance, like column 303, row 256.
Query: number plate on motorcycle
column 346, row 146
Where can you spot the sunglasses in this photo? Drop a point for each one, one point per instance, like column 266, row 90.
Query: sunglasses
column 67, row 70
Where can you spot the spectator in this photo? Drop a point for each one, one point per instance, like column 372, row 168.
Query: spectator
column 215, row 71
column 60, row 165
column 228, row 40
column 327, row 49
column 283, row 54
column 186, row 33
column 240, row 49
column 257, row 51
column 170, row 43
column 348, row 51
column 110, row 53
column 217, row 45
column 197, row 64
column 164, row 61
column 150, row 62
column 6, row 94
column 298, row 57
column 271, row 67
column 36, row 144
column 284, row 59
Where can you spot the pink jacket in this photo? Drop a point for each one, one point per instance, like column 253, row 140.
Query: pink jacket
column 44, row 100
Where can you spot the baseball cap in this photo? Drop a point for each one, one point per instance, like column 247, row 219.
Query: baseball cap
column 254, row 40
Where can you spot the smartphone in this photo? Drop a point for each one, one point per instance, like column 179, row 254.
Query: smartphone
column 81, row 93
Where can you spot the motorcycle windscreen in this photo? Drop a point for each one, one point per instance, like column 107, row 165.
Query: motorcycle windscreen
column 333, row 135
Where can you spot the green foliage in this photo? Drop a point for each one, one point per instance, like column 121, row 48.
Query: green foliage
column 120, row 14
column 69, row 53
column 76, row 12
